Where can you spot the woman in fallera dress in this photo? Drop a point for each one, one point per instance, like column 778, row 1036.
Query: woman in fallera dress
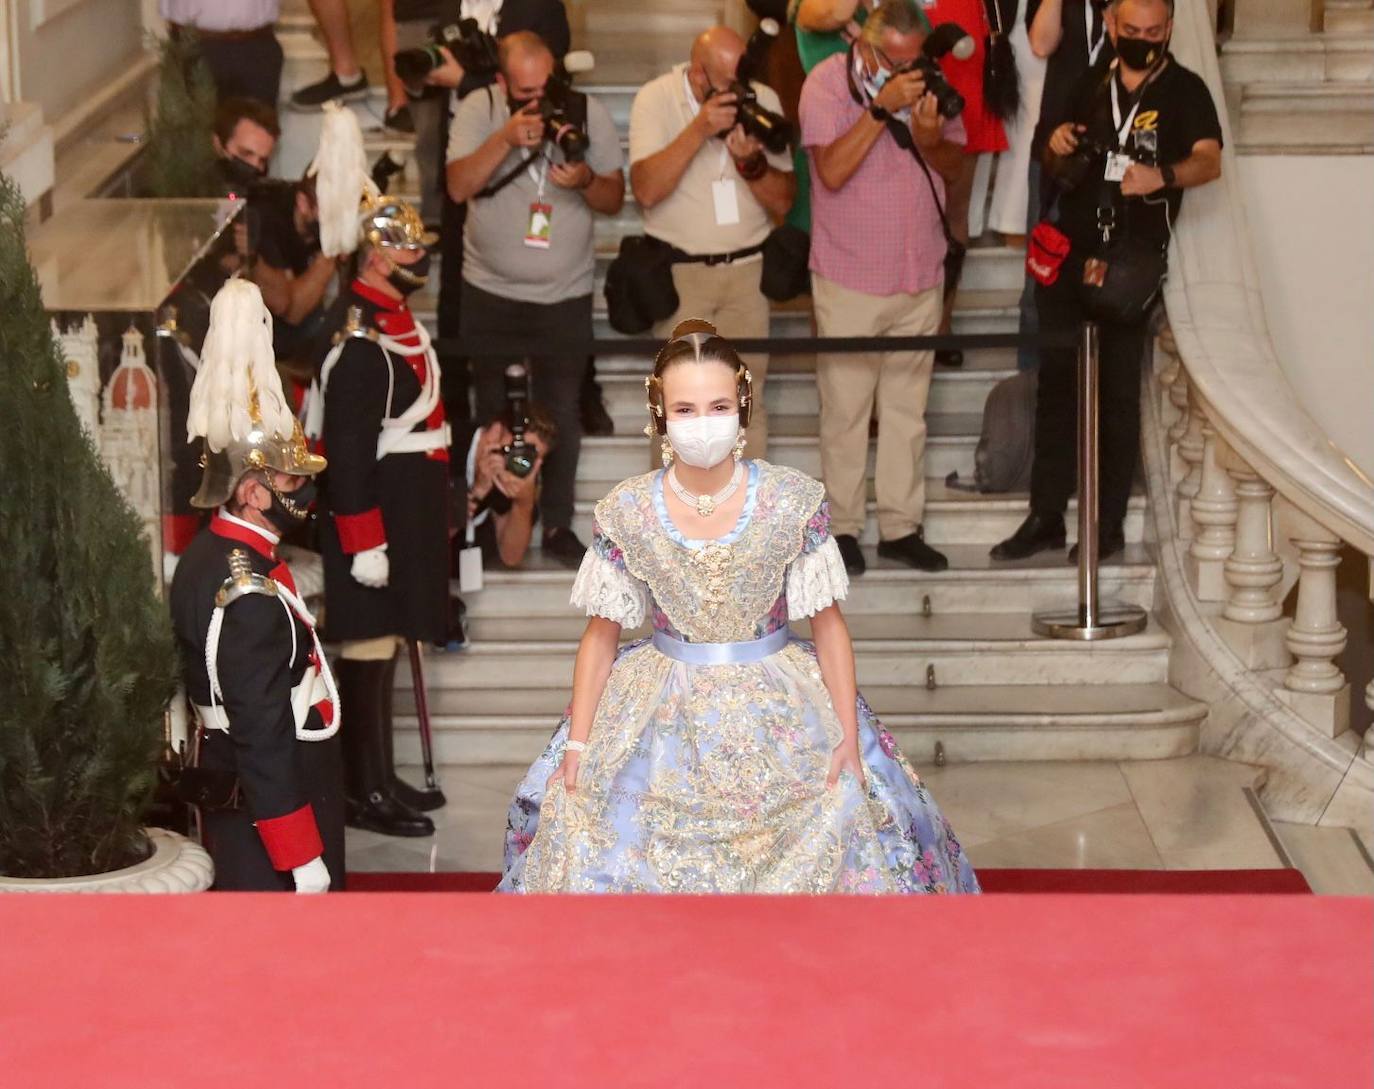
column 723, row 754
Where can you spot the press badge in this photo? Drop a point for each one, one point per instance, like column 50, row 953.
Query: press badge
column 469, row 570
column 537, row 233
column 726, row 201
column 1117, row 164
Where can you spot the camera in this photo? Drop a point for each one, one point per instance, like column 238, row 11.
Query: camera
column 565, row 111
column 770, row 129
column 471, row 46
column 520, row 454
column 1073, row 169
column 947, row 38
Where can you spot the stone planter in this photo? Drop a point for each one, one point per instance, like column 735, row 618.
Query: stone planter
column 176, row 865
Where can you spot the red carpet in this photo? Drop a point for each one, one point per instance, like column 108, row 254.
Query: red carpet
column 1235, row 882
column 451, row 992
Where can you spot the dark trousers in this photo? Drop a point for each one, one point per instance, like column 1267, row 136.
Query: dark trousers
column 245, row 67
column 1055, row 472
column 456, row 381
column 555, row 380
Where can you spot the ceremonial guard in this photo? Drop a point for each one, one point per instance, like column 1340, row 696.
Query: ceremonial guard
column 385, row 541
column 265, row 764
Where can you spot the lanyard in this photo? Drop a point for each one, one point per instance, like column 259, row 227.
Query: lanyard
column 1123, row 128
column 694, row 108
column 539, row 177
column 1094, row 48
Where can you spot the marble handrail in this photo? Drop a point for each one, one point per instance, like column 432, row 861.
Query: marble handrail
column 1216, row 314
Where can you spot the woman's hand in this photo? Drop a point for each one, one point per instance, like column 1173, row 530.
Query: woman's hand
column 846, row 758
column 567, row 771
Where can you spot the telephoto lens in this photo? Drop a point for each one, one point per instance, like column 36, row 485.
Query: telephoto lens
column 520, row 454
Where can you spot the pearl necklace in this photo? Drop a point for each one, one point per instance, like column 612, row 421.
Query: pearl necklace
column 706, row 504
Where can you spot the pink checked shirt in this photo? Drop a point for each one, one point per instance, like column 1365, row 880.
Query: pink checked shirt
column 880, row 233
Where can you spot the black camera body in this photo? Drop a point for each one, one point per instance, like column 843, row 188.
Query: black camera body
column 472, row 47
column 564, row 111
column 1071, row 170
column 772, row 130
column 944, row 39
column 520, row 453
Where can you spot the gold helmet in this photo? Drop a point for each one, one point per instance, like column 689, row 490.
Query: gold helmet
column 237, row 405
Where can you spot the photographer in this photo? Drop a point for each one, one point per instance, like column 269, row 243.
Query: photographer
column 1129, row 141
column 244, row 137
column 712, row 191
column 536, row 160
column 877, row 269
column 502, row 504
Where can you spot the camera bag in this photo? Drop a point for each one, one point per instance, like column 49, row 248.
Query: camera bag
column 1045, row 252
column 639, row 285
column 786, row 263
column 1122, row 282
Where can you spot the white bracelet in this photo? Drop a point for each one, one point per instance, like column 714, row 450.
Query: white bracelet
column 575, row 746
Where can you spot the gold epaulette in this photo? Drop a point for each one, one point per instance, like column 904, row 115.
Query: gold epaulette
column 243, row 580
column 354, row 327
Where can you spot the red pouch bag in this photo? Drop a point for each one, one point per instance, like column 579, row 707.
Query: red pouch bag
column 1045, row 252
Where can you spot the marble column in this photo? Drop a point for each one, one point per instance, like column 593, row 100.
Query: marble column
column 1189, row 460
column 1252, row 621
column 1314, row 686
column 1214, row 517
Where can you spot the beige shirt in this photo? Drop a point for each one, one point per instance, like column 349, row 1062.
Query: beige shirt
column 686, row 218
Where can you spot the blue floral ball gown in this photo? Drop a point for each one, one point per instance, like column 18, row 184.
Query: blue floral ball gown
column 706, row 766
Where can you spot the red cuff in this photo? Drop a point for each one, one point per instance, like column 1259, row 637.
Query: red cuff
column 178, row 531
column 292, row 840
column 359, row 532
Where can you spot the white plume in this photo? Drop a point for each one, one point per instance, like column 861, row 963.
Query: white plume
column 236, row 361
column 341, row 179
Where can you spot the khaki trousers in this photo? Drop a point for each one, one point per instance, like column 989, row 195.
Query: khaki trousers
column 727, row 296
column 850, row 383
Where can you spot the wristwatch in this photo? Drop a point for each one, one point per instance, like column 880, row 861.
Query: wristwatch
column 1167, row 173
column 879, row 114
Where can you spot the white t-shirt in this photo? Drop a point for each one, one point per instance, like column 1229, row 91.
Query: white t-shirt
column 686, row 218
column 220, row 15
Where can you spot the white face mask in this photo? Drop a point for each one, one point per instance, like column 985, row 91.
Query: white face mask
column 704, row 441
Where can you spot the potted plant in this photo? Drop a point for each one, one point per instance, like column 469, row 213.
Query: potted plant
column 88, row 660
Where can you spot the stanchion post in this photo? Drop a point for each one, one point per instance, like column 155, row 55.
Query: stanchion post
column 1089, row 621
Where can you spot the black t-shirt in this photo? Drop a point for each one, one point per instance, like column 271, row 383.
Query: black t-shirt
column 1070, row 61
column 1176, row 111
column 279, row 243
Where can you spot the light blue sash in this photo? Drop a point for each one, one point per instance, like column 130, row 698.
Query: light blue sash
column 704, row 654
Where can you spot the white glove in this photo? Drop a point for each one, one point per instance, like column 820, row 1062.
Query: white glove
column 312, row 877
column 169, row 566
column 372, row 568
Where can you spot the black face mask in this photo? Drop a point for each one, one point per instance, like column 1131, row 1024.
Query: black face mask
column 408, row 279
column 1139, row 54
column 239, row 173
column 289, row 510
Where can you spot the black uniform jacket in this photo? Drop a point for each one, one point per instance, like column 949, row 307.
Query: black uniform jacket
column 401, row 501
column 260, row 660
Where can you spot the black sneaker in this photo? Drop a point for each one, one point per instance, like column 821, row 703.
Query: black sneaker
column 561, row 544
column 1036, row 534
column 596, row 421
column 329, row 89
column 854, row 561
column 399, row 120
column 913, row 551
column 1110, row 541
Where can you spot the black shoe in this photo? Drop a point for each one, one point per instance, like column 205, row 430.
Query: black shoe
column 949, row 357
column 329, row 89
column 1037, row 533
column 1110, row 541
column 595, row 419
column 399, row 120
column 913, row 551
column 561, row 544
column 388, row 817
column 854, row 561
column 422, row 801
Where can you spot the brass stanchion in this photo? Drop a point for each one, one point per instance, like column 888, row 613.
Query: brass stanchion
column 1089, row 621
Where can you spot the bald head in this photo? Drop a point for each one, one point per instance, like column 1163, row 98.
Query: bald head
column 526, row 64
column 715, row 56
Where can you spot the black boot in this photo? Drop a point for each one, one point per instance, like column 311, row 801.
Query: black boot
column 369, row 801
column 1036, row 534
column 1111, row 539
column 421, row 801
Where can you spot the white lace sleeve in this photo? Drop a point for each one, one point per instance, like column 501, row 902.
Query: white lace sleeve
column 605, row 590
column 816, row 580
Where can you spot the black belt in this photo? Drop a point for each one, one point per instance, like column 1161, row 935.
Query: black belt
column 264, row 31
column 682, row 257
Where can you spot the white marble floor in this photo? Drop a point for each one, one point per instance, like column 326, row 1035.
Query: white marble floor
column 1187, row 813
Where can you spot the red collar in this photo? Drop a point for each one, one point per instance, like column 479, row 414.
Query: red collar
column 253, row 537
column 376, row 298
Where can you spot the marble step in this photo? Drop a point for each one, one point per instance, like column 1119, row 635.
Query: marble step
column 1348, row 17
column 1317, row 58
column 516, row 604
column 952, row 517
column 969, row 722
column 1307, row 118
column 790, row 390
